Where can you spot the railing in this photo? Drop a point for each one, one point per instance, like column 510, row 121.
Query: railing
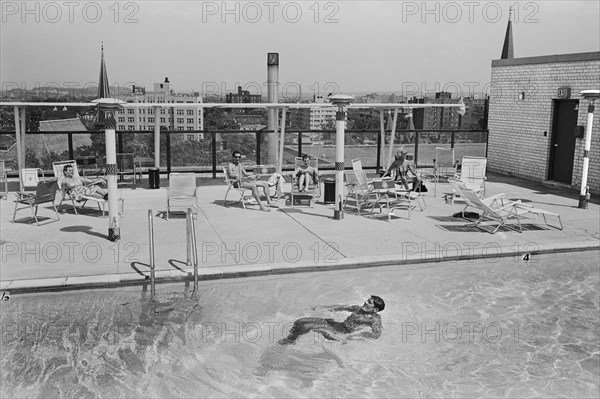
column 192, row 249
column 207, row 150
column 151, row 238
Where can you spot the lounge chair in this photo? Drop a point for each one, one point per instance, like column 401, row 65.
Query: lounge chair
column 65, row 193
column 472, row 176
column 360, row 193
column 182, row 192
column 306, row 197
column 126, row 165
column 233, row 184
column 45, row 192
column 514, row 209
column 494, row 201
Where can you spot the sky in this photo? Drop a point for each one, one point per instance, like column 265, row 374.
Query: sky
column 342, row 46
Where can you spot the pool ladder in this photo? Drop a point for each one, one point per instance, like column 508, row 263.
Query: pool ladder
column 192, row 248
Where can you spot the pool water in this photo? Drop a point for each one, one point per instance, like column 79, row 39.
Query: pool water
column 503, row 328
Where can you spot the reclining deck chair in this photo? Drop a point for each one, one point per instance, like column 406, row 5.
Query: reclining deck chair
column 58, row 173
column 45, row 192
column 314, row 191
column 472, row 177
column 360, row 193
column 233, row 184
column 182, row 192
column 502, row 214
column 494, row 201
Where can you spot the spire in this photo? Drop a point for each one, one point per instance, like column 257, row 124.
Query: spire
column 103, row 88
column 507, row 49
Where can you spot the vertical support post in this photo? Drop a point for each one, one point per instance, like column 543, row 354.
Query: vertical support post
column 156, row 137
column 70, row 144
column 299, row 150
column 392, row 139
column 584, row 192
column 281, row 140
column 20, row 160
column 339, row 161
column 213, row 145
column 151, row 242
column 258, row 139
column 114, row 230
column 380, row 140
column 168, row 152
column 272, row 97
column 23, row 130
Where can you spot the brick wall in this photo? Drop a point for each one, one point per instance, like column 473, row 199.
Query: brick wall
column 521, row 129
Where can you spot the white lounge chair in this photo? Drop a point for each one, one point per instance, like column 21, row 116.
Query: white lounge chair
column 182, row 192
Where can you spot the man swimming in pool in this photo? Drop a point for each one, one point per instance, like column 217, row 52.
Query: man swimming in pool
column 361, row 317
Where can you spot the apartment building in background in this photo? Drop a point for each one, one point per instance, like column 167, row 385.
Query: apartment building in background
column 145, row 119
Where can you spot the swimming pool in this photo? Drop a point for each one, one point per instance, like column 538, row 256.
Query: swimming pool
column 501, row 328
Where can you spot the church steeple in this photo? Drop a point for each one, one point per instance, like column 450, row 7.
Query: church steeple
column 103, row 87
column 507, row 49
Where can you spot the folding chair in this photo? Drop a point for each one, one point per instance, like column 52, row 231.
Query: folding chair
column 126, row 165
column 306, row 197
column 4, row 179
column 45, row 192
column 472, row 177
column 360, row 193
column 31, row 177
column 182, row 192
column 233, row 184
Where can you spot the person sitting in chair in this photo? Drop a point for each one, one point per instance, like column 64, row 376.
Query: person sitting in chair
column 304, row 173
column 401, row 170
column 236, row 171
column 77, row 186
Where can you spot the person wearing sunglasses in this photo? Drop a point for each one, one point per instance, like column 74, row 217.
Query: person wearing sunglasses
column 236, row 171
column 365, row 316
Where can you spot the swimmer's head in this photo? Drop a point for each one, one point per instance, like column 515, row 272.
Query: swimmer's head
column 373, row 305
column 379, row 304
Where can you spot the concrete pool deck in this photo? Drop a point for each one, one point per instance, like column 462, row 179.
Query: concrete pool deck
column 74, row 253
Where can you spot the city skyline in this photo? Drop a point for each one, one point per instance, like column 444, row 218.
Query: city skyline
column 345, row 46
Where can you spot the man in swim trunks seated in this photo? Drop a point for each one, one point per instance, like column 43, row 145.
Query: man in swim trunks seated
column 304, row 173
column 78, row 187
column 362, row 316
column 236, row 171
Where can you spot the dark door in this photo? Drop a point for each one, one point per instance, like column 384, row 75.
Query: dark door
column 562, row 150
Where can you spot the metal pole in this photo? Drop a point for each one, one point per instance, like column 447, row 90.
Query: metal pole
column 114, row 230
column 584, row 192
column 20, row 159
column 156, row 138
column 272, row 97
column 194, row 248
column 380, row 140
column 151, row 241
column 392, row 138
column 281, row 140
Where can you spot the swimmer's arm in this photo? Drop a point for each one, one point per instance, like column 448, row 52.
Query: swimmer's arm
column 338, row 308
column 375, row 332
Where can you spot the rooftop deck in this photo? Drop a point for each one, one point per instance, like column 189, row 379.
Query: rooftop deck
column 75, row 253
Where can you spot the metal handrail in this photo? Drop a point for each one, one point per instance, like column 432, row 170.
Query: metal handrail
column 151, row 238
column 192, row 248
